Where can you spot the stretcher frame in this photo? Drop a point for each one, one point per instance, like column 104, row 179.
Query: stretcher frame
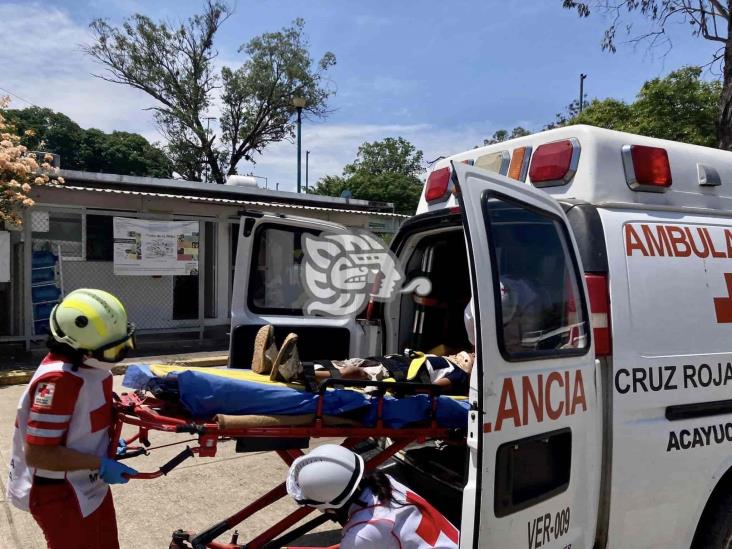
column 148, row 413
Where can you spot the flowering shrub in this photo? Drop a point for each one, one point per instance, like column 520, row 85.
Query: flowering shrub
column 19, row 172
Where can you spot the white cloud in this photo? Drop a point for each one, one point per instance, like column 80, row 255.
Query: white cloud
column 332, row 146
column 43, row 63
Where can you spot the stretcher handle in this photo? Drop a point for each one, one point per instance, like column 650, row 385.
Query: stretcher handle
column 167, row 467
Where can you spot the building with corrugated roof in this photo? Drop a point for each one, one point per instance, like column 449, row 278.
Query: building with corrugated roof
column 68, row 242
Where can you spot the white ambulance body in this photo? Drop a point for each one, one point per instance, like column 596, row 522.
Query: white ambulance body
column 601, row 400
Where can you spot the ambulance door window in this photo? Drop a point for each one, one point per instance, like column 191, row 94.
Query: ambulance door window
column 275, row 283
column 540, row 309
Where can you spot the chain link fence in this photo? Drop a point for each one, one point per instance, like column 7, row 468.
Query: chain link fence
column 75, row 249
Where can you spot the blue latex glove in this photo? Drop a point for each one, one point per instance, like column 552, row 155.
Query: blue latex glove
column 121, row 447
column 114, row 472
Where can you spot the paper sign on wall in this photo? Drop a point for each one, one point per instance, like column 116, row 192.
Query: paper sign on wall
column 4, row 256
column 155, row 248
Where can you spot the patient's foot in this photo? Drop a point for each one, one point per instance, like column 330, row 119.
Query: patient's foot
column 287, row 365
column 265, row 350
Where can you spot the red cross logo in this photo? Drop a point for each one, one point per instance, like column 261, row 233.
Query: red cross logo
column 723, row 305
column 44, row 391
column 433, row 523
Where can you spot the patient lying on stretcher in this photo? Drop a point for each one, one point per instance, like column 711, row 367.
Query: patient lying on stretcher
column 452, row 372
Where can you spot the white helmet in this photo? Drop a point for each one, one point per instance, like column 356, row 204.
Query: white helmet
column 326, row 478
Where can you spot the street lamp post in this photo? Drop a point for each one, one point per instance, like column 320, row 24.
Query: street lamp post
column 307, row 170
column 582, row 92
column 208, row 167
column 299, row 103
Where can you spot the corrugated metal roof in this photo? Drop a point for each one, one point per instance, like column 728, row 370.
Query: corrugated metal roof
column 228, row 201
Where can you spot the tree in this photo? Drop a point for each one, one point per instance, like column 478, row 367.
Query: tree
column 681, row 107
column 503, row 135
column 389, row 155
column 122, row 153
column 89, row 150
column 50, row 131
column 384, row 171
column 176, row 67
column 19, row 171
column 708, row 19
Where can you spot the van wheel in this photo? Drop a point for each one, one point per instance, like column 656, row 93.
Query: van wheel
column 715, row 528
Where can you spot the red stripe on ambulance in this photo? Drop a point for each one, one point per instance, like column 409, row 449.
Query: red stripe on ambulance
column 531, row 399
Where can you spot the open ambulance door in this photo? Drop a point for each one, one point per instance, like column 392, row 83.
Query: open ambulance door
column 533, row 436
column 268, row 289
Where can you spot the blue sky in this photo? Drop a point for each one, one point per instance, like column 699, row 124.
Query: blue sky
column 442, row 74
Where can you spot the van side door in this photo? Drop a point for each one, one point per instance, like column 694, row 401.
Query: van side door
column 269, row 289
column 533, row 436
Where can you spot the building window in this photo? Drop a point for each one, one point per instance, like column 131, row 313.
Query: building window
column 99, row 238
column 59, row 232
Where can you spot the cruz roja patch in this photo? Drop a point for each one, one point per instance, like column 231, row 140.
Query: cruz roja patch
column 44, row 395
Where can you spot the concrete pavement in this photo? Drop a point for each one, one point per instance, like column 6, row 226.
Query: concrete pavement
column 197, row 494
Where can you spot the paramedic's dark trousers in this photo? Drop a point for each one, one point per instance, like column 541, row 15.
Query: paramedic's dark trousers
column 56, row 511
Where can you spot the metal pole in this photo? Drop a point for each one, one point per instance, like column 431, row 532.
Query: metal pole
column 582, row 91
column 299, row 142
column 307, row 169
column 208, row 167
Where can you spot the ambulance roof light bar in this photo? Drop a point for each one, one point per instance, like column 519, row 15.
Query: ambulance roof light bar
column 519, row 166
column 555, row 163
column 646, row 168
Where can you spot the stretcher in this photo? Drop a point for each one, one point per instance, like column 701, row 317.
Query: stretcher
column 287, row 435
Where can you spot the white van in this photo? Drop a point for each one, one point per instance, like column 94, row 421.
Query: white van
column 601, row 404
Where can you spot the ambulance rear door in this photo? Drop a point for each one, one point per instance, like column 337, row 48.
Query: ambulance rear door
column 269, row 288
column 534, row 432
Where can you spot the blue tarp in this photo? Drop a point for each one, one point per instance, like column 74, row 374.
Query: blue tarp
column 205, row 395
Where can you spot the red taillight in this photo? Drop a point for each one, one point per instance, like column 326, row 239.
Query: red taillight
column 646, row 168
column 554, row 163
column 437, row 184
column 597, row 288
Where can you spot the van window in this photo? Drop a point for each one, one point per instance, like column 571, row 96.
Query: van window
column 275, row 286
column 540, row 310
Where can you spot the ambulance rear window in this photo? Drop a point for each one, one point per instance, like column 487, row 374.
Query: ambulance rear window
column 540, row 310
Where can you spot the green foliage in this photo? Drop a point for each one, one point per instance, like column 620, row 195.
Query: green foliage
column 389, row 155
column 707, row 19
column 504, row 135
column 384, row 171
column 681, row 107
column 89, row 150
column 176, row 67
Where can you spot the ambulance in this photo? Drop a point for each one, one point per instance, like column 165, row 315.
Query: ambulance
column 601, row 398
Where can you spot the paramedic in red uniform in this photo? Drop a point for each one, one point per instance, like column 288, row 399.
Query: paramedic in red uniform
column 59, row 469
column 376, row 511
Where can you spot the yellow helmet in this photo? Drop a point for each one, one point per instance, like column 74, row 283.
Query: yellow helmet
column 94, row 322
